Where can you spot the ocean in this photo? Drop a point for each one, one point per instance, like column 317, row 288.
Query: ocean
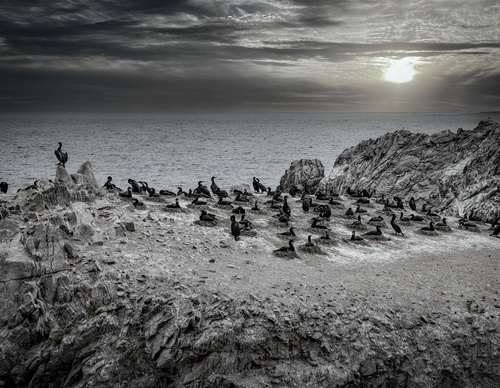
column 172, row 150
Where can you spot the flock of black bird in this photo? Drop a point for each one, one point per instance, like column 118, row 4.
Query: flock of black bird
column 278, row 201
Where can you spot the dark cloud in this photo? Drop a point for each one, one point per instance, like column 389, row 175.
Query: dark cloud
column 154, row 54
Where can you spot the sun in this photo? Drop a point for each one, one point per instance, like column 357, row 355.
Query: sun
column 401, row 71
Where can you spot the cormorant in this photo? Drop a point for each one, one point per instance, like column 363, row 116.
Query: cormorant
column 395, row 226
column 4, row 186
column 356, row 238
column 175, row 205
column 126, row 194
column 413, row 204
column 235, row 228
column 376, row 232
column 61, row 156
column 429, row 228
column 289, row 248
column 135, row 186
column 204, row 216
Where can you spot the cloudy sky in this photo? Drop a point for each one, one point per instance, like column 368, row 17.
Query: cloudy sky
column 241, row 55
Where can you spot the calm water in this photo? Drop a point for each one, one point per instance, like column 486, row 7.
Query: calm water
column 179, row 150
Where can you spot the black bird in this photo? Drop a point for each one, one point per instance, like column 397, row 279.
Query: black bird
column 152, row 192
column 429, row 228
column 395, row 226
column 239, row 210
column 235, row 228
column 4, row 186
column 413, row 204
column 126, row 194
column 204, row 216
column 167, row 192
column 224, row 202
column 399, row 203
column 326, row 214
column 359, row 209
column 402, row 218
column 309, row 243
column 496, row 231
column 376, row 232
column 247, row 224
column 349, row 212
column 61, row 156
column 289, row 233
column 315, row 224
column 109, row 185
column 203, row 189
column 257, row 186
column 137, row 203
column 321, row 196
column 306, row 204
column 175, row 205
column 197, row 201
column 216, row 190
column 256, row 206
column 289, row 248
column 135, row 186
column 431, row 214
column 413, row 217
column 293, row 191
column 286, row 207
column 472, row 217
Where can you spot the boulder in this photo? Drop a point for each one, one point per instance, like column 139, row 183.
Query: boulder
column 454, row 172
column 305, row 174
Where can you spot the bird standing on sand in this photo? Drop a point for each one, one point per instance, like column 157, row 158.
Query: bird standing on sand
column 61, row 156
column 289, row 248
column 235, row 228
column 395, row 226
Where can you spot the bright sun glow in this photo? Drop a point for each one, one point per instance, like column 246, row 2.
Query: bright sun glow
column 401, row 71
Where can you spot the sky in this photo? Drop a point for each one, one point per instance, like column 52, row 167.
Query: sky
column 238, row 55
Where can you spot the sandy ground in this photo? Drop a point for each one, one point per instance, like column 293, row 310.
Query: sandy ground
column 441, row 272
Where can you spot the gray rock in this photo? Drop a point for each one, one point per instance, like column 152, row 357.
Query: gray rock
column 305, row 174
column 454, row 172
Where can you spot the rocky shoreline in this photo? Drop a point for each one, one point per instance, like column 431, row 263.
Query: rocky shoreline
column 96, row 292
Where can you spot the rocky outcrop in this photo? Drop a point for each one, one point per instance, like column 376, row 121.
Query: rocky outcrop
column 305, row 174
column 96, row 293
column 454, row 172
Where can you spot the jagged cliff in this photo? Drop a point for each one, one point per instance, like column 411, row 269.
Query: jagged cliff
column 454, row 172
column 95, row 292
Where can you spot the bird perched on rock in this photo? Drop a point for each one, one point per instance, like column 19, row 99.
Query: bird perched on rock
column 135, row 186
column 61, row 156
column 4, row 186
column 126, row 194
column 201, row 189
column 257, row 186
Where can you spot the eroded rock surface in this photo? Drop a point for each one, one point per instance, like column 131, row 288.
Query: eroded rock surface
column 454, row 172
column 305, row 174
column 97, row 293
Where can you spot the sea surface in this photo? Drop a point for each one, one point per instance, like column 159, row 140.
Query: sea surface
column 172, row 150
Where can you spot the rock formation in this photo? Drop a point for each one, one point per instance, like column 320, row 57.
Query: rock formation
column 453, row 172
column 97, row 293
column 305, row 174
